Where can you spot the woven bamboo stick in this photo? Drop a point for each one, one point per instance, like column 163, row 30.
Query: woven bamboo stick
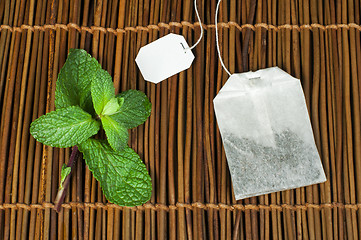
column 188, row 145
column 355, row 103
column 219, row 147
column 173, row 89
column 4, row 50
column 38, row 150
column 180, row 153
column 333, row 92
column 207, row 143
column 225, row 215
column 154, row 128
column 136, row 217
column 63, row 7
column 94, row 224
column 58, row 153
column 48, row 156
column 338, row 116
column 142, row 143
column 44, row 194
column 4, row 131
column 118, row 56
column 212, row 160
column 332, row 120
column 325, row 188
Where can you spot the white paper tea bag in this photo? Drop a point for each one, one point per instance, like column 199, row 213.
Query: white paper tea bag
column 266, row 133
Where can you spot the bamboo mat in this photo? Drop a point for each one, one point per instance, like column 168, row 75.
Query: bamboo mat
column 316, row 41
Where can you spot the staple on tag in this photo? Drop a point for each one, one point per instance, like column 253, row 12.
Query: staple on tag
column 183, row 46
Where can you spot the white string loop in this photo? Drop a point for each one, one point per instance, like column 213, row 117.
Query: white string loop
column 219, row 52
column 200, row 24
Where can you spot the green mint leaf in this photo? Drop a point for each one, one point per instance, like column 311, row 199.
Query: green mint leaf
column 65, row 171
column 117, row 135
column 64, row 127
column 102, row 90
column 74, row 80
column 122, row 175
column 134, row 111
column 111, row 107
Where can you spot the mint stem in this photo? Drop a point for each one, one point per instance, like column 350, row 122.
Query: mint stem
column 60, row 196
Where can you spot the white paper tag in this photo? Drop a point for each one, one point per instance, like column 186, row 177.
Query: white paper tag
column 164, row 58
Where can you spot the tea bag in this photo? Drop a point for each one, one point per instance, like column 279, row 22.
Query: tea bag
column 266, row 133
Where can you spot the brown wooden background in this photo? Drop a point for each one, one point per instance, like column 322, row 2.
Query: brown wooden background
column 316, row 41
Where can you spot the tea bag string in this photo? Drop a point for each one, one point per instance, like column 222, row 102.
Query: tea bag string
column 219, row 52
column 200, row 25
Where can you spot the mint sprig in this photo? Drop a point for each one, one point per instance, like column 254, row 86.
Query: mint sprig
column 85, row 102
